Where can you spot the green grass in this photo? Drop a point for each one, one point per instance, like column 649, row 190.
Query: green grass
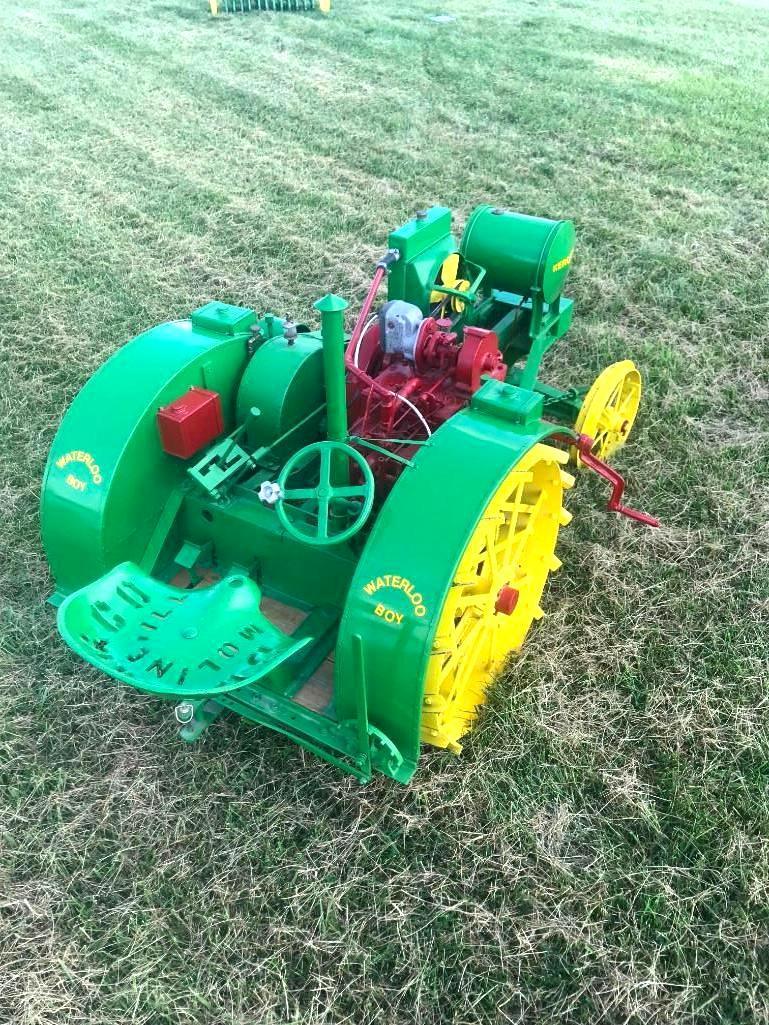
column 600, row 851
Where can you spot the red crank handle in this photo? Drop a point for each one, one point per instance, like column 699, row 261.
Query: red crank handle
column 584, row 445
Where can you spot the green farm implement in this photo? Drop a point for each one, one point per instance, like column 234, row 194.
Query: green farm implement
column 339, row 536
column 246, row 6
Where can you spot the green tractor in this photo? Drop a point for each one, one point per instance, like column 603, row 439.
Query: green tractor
column 341, row 537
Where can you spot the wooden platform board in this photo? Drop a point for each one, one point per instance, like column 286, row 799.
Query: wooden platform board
column 317, row 693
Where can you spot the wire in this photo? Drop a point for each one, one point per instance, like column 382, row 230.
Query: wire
column 401, row 398
column 363, row 334
column 414, row 410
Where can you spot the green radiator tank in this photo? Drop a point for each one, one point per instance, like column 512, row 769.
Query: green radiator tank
column 519, row 253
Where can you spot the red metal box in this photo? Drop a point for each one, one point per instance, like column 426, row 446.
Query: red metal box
column 191, row 422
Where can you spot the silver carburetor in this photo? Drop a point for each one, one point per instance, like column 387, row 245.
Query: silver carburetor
column 399, row 324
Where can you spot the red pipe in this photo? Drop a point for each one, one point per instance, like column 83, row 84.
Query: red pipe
column 365, row 309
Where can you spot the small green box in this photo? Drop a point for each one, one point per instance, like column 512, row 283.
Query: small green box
column 223, row 319
column 517, row 405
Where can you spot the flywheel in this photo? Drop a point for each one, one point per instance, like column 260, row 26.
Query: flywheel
column 495, row 594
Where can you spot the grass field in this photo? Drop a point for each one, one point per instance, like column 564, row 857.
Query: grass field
column 600, row 851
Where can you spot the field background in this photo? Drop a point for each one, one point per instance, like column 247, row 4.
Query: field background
column 599, row 853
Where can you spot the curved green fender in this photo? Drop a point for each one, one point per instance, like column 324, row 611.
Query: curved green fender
column 407, row 567
column 107, row 479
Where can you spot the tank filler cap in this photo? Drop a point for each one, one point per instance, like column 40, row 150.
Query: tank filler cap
column 289, row 331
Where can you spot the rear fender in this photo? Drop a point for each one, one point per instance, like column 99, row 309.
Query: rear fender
column 107, row 479
column 408, row 565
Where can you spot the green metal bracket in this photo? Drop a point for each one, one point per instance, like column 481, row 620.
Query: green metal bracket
column 162, row 530
column 362, row 702
column 548, row 324
column 470, row 296
column 559, row 404
column 222, row 464
column 195, row 717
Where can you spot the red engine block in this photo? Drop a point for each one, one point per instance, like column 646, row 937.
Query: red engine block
column 393, row 401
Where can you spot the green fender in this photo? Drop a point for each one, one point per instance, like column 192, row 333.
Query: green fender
column 407, row 567
column 107, row 479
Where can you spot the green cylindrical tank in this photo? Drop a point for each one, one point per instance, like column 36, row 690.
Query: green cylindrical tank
column 519, row 253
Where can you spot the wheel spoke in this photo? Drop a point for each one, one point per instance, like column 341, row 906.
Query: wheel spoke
column 325, row 466
column 517, row 508
column 323, row 503
column 470, row 656
column 615, row 394
column 295, row 494
column 521, row 538
column 491, row 551
column 515, row 538
column 351, row 491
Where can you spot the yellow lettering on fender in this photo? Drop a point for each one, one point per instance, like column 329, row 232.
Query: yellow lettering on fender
column 88, row 461
column 75, row 482
column 388, row 615
column 402, row 585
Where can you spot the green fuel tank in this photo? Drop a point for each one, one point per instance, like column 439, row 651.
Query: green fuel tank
column 519, row 253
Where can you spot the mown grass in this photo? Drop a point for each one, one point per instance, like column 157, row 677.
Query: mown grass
column 599, row 853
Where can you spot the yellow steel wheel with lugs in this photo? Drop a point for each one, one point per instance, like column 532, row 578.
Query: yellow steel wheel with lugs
column 609, row 408
column 495, row 595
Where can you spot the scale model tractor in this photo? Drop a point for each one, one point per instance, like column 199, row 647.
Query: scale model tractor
column 342, row 538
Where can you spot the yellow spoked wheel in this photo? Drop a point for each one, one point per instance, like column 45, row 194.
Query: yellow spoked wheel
column 610, row 408
column 495, row 595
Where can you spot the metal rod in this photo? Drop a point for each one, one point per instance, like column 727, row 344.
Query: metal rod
column 364, row 744
column 331, row 309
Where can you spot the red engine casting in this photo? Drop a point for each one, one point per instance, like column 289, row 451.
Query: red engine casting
column 394, row 399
